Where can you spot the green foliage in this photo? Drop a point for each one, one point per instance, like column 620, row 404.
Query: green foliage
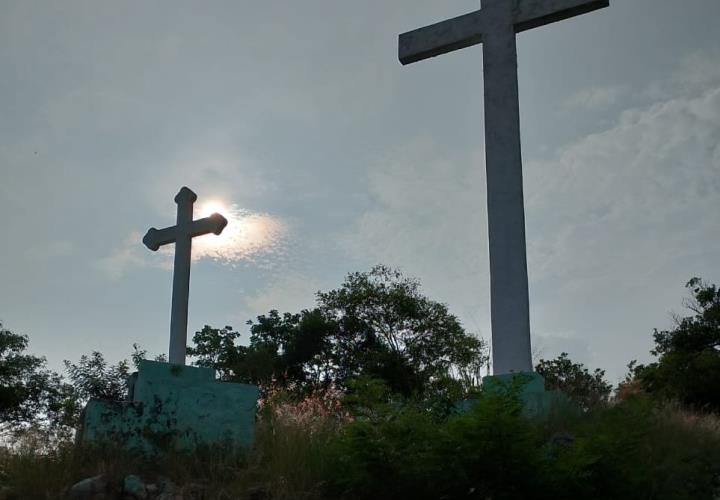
column 405, row 452
column 140, row 354
column 639, row 450
column 30, row 394
column 376, row 325
column 93, row 377
column 632, row 450
column 389, row 330
column 215, row 348
column 389, row 362
column 688, row 368
column 586, row 389
column 23, row 379
column 629, row 451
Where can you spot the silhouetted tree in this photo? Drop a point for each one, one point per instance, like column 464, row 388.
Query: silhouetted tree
column 29, row 392
column 688, row 365
column 586, row 389
column 377, row 324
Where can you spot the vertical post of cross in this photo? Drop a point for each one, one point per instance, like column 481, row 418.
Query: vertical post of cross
column 185, row 200
column 509, row 303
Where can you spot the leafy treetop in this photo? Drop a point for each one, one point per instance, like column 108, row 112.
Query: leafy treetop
column 376, row 324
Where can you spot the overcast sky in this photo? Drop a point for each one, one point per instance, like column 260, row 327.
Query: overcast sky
column 332, row 157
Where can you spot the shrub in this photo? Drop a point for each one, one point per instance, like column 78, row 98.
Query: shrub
column 586, row 389
column 688, row 368
column 628, row 451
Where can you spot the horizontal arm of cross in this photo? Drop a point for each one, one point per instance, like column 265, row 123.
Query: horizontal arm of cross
column 469, row 29
column 440, row 38
column 155, row 238
column 213, row 224
column 535, row 13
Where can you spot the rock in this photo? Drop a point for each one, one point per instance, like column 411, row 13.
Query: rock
column 166, row 485
column 168, row 490
column 134, row 487
column 257, row 493
column 194, row 490
column 89, row 488
column 562, row 440
column 169, row 496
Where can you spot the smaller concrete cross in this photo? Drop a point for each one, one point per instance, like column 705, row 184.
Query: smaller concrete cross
column 182, row 234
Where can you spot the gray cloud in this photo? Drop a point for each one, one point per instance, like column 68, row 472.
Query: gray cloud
column 595, row 98
column 617, row 222
column 300, row 110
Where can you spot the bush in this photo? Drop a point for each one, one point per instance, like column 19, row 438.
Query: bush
column 586, row 389
column 628, row 451
column 377, row 324
column 632, row 450
column 688, row 368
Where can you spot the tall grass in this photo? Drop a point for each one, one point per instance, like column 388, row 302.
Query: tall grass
column 31, row 471
column 288, row 461
column 313, row 449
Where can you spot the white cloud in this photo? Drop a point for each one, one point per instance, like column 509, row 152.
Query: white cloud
column 128, row 255
column 51, row 250
column 430, row 221
column 616, row 223
column 698, row 71
column 291, row 291
column 650, row 183
column 595, row 98
column 619, row 220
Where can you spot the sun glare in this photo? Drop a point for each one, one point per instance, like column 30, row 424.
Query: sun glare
column 211, row 207
column 248, row 235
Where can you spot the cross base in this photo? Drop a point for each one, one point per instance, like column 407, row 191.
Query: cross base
column 537, row 402
column 173, row 407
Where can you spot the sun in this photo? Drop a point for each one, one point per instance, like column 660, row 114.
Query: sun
column 213, row 206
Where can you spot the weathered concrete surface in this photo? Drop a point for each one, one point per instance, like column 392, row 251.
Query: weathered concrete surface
column 537, row 401
column 176, row 407
column 509, row 301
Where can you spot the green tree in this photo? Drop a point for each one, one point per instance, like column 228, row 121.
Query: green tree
column 586, row 389
column 93, row 377
column 23, row 379
column 688, row 365
column 388, row 329
column 30, row 394
column 377, row 324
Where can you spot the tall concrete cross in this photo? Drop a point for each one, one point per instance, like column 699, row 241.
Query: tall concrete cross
column 495, row 26
column 182, row 234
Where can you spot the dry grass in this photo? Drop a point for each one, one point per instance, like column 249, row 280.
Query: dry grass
column 291, row 458
column 287, row 462
column 703, row 423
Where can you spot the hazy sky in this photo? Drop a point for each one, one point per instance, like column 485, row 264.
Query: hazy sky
column 334, row 157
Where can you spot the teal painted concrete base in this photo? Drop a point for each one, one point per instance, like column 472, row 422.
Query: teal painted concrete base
column 538, row 402
column 174, row 407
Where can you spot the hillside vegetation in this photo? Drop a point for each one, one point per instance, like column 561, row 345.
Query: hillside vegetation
column 359, row 401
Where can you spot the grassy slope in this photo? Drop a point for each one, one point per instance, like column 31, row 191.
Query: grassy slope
column 632, row 450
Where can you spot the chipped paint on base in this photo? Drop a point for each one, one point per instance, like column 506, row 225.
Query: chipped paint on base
column 174, row 407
